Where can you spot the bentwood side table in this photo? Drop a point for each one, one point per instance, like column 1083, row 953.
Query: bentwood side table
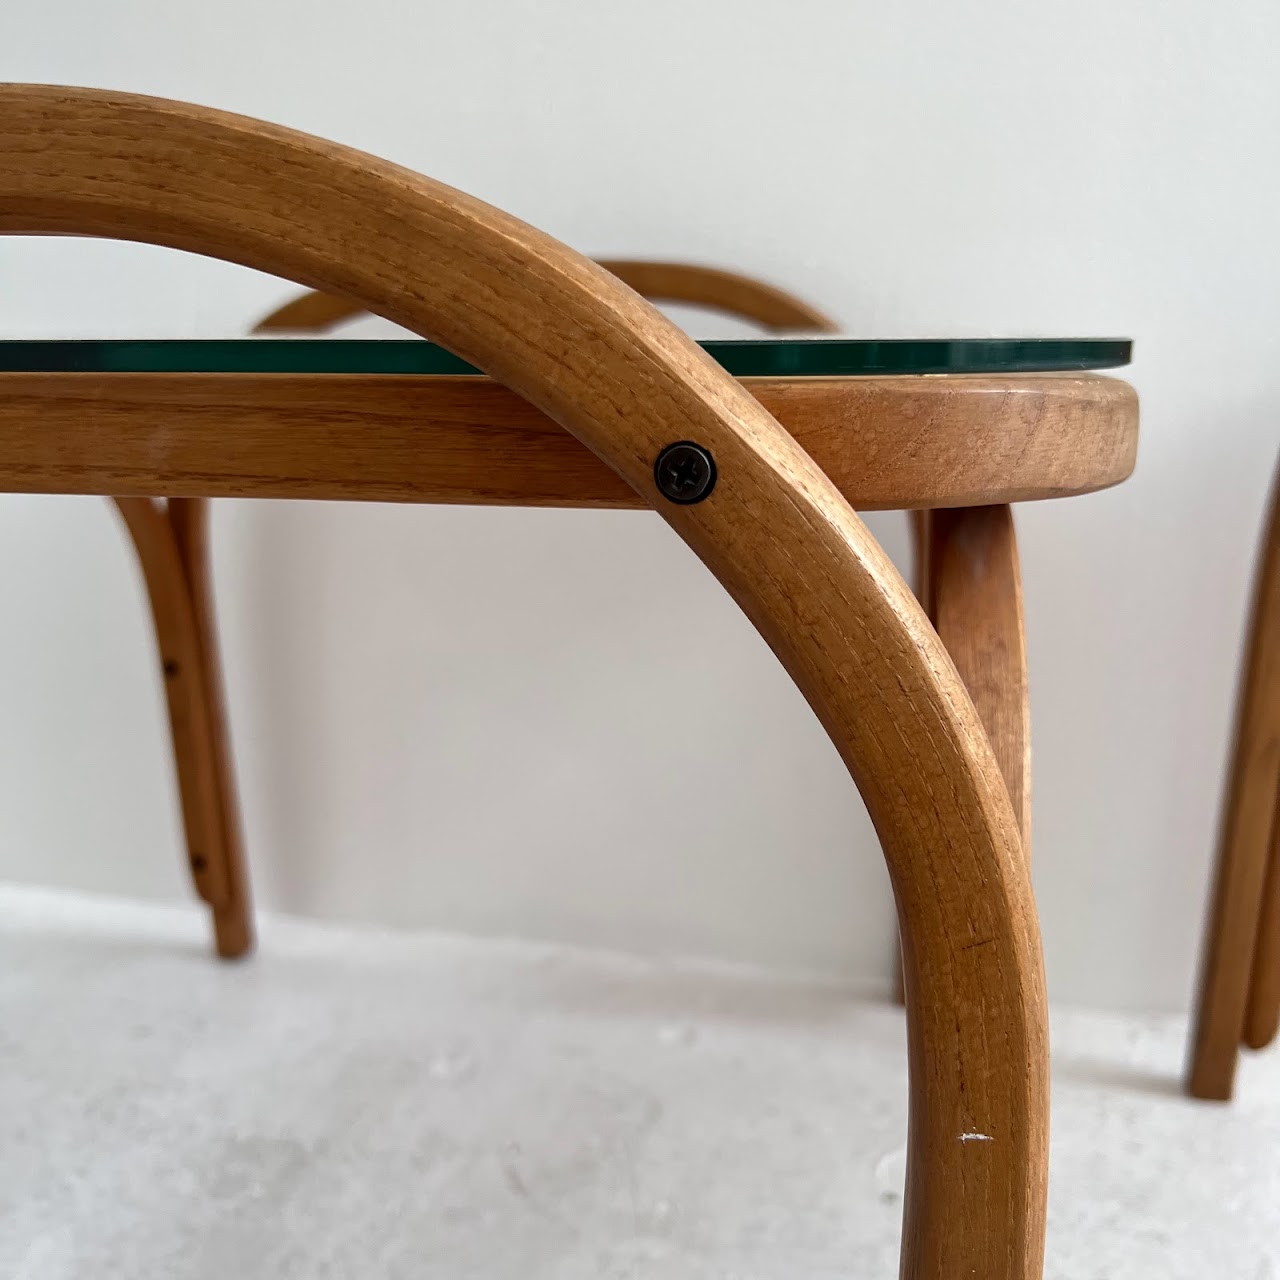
column 756, row 456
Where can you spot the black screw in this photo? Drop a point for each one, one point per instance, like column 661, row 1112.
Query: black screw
column 685, row 472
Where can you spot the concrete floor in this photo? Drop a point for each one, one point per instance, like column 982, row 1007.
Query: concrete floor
column 360, row 1105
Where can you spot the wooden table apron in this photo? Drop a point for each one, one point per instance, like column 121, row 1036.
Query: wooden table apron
column 887, row 443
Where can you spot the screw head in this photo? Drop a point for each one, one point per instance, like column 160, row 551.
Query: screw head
column 685, row 473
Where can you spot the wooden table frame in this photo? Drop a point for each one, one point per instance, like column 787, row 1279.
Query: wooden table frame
column 779, row 532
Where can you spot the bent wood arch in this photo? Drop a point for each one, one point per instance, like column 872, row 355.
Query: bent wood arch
column 711, row 287
column 605, row 365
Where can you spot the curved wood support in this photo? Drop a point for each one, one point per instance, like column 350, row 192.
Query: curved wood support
column 973, row 594
column 1231, row 950
column 968, row 580
column 233, row 921
column 1262, row 1012
column 601, row 362
column 171, row 537
column 172, row 554
column 727, row 291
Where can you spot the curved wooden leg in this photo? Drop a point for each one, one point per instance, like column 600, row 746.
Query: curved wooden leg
column 1227, row 963
column 968, row 580
column 973, row 594
column 233, row 919
column 1262, row 1014
column 918, row 527
column 172, row 547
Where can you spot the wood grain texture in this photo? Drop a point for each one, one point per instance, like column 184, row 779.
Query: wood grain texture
column 776, row 532
column 187, row 683
column 1245, row 839
column 886, row 443
column 973, row 593
column 709, row 287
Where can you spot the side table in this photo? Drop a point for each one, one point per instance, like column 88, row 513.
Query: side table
column 596, row 400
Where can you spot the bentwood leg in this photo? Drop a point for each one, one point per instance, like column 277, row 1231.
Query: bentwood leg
column 233, row 920
column 972, row 592
column 1245, row 841
column 1262, row 1014
column 918, row 529
column 967, row 578
column 172, row 546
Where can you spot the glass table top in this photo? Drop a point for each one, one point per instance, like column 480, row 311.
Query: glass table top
column 744, row 358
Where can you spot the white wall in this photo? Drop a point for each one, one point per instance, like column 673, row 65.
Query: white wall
column 464, row 717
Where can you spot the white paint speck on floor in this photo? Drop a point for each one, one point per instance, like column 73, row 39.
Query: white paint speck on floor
column 351, row 1104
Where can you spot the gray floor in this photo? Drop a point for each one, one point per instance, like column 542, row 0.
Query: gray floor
column 359, row 1105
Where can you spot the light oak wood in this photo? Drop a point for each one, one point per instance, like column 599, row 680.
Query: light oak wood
column 181, row 663
column 918, row 532
column 171, row 543
column 708, row 287
column 1245, row 845
column 886, row 443
column 776, row 532
column 232, row 918
column 973, row 594
column 968, row 580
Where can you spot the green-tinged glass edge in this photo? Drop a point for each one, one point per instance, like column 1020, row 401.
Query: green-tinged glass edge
column 743, row 358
